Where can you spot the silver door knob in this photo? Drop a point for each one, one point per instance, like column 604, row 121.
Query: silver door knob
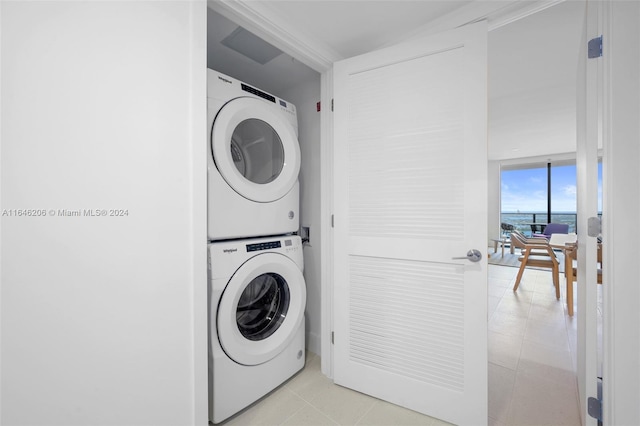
column 473, row 255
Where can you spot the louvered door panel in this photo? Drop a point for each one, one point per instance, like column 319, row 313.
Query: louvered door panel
column 410, row 173
column 403, row 180
column 405, row 319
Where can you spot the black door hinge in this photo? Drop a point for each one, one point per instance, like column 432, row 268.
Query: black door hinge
column 594, row 405
column 595, row 48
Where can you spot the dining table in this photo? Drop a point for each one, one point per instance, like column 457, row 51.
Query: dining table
column 558, row 241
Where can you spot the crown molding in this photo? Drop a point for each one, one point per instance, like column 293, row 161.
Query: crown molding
column 517, row 11
column 496, row 13
column 258, row 18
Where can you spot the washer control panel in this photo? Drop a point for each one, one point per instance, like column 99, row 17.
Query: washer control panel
column 267, row 245
column 288, row 244
column 225, row 257
column 293, row 245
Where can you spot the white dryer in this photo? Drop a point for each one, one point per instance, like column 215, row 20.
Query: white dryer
column 257, row 298
column 254, row 160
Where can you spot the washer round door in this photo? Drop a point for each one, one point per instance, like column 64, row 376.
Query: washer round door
column 261, row 309
column 255, row 149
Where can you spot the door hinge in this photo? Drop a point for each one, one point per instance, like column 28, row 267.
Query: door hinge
column 594, row 405
column 332, row 221
column 331, row 104
column 594, row 226
column 594, row 48
column 332, row 336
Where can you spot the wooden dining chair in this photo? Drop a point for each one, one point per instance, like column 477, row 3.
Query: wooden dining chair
column 517, row 240
column 571, row 270
column 536, row 252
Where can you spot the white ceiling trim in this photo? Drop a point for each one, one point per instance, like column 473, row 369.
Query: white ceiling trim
column 517, row 12
column 556, row 159
column 497, row 13
column 262, row 21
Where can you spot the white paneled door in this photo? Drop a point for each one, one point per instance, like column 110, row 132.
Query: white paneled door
column 410, row 145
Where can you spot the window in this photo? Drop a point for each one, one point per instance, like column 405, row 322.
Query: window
column 541, row 193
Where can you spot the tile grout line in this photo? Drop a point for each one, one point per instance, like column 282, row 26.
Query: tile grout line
column 511, row 393
column 357, row 422
column 303, row 399
column 295, row 412
column 307, row 403
column 515, row 376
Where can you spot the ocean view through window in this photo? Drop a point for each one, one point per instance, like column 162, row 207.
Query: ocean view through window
column 535, row 193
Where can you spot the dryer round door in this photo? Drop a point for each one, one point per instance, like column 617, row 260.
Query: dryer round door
column 255, row 149
column 261, row 309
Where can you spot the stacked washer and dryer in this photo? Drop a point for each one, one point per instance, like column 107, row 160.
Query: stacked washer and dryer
column 257, row 293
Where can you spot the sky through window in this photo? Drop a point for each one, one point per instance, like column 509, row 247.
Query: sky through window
column 525, row 190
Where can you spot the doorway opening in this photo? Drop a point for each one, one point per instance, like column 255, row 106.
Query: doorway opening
column 532, row 149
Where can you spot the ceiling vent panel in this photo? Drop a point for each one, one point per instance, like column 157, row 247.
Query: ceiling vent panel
column 251, row 46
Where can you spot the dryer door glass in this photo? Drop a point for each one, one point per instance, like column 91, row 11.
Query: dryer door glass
column 255, row 148
column 263, row 306
column 257, row 151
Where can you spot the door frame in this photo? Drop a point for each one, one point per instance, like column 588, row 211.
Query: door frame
column 262, row 21
column 620, row 108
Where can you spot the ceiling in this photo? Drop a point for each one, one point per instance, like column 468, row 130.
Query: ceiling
column 276, row 76
column 532, row 61
column 350, row 28
column 533, row 66
column 334, row 30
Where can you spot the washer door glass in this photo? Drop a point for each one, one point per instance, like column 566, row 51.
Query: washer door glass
column 263, row 306
column 255, row 149
column 261, row 309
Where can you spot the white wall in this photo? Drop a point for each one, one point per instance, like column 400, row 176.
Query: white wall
column 532, row 72
column 305, row 96
column 528, row 124
column 103, row 318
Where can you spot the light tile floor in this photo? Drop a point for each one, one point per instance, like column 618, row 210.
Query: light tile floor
column 310, row 398
column 532, row 351
column 531, row 370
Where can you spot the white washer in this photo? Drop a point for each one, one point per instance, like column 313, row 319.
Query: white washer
column 253, row 161
column 257, row 298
